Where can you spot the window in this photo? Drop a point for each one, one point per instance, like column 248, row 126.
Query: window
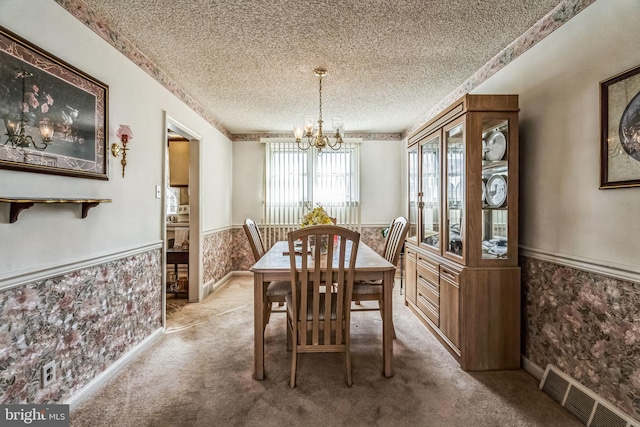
column 297, row 180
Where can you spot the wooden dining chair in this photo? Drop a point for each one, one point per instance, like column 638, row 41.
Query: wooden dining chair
column 276, row 291
column 318, row 307
column 372, row 290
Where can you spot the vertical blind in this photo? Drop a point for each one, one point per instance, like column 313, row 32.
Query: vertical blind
column 296, row 181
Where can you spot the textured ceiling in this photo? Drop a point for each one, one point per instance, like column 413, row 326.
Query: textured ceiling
column 250, row 63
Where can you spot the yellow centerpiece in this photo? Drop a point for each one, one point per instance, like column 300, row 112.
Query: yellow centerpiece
column 317, row 216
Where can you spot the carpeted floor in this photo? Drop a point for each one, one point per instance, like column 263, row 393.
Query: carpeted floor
column 174, row 305
column 200, row 374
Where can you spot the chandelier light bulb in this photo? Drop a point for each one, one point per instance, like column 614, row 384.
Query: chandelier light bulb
column 11, row 126
column 309, row 124
column 338, row 124
column 46, row 130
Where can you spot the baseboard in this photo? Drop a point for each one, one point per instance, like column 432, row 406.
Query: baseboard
column 211, row 286
column 536, row 371
column 242, row 273
column 101, row 379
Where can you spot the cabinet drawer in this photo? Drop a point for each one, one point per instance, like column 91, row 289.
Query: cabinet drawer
column 449, row 274
column 427, row 269
column 433, row 313
column 429, row 291
column 427, row 262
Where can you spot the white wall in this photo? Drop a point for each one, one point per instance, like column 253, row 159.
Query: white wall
column 380, row 181
column 217, row 177
column 53, row 235
column 248, row 175
column 562, row 209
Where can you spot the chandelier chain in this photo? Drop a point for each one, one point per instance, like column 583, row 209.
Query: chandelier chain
column 320, row 97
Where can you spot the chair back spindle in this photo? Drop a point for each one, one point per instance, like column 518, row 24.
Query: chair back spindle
column 393, row 245
column 255, row 238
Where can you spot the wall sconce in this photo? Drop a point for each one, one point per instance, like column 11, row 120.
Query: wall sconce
column 125, row 134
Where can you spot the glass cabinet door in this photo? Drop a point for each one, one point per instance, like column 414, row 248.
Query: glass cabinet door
column 455, row 188
column 495, row 181
column 412, row 165
column 430, row 185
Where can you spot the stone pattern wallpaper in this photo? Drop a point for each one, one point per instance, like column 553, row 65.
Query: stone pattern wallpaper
column 84, row 320
column 243, row 257
column 373, row 237
column 586, row 324
column 217, row 253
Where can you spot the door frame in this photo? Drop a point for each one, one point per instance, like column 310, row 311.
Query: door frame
column 195, row 217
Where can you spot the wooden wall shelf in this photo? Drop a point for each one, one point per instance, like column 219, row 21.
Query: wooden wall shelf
column 20, row 204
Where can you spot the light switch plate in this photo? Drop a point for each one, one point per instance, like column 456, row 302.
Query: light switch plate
column 158, row 192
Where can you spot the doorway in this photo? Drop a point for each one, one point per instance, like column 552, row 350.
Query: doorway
column 182, row 270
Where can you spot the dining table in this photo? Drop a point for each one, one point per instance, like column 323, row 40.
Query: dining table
column 275, row 266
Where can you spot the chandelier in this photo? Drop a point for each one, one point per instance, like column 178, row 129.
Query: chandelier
column 16, row 129
column 315, row 137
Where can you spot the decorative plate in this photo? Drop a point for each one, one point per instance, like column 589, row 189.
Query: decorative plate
column 496, row 146
column 496, row 190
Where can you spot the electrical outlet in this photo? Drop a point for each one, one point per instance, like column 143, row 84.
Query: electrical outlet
column 158, row 192
column 48, row 374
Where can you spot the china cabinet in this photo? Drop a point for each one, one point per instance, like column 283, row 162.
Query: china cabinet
column 463, row 279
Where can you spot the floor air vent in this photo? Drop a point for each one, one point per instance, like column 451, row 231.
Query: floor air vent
column 590, row 408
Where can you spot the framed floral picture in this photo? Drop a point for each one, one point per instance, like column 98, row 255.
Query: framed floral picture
column 53, row 117
column 620, row 130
